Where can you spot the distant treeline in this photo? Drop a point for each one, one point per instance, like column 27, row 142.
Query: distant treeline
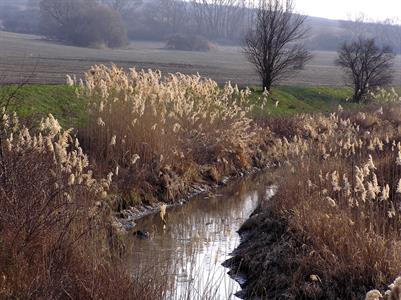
column 113, row 22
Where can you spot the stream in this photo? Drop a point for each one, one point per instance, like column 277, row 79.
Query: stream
column 199, row 236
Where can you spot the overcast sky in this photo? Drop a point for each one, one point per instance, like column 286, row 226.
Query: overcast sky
column 342, row 9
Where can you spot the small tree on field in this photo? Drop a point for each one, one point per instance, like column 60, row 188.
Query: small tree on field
column 366, row 64
column 272, row 46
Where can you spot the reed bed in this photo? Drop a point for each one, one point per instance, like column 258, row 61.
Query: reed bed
column 56, row 234
column 338, row 208
column 167, row 131
column 147, row 137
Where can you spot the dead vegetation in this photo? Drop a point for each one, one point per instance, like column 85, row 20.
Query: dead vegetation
column 56, row 234
column 158, row 136
column 332, row 230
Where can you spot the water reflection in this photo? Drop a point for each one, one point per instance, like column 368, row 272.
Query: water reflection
column 198, row 238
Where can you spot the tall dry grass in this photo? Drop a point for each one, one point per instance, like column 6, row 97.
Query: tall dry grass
column 148, row 136
column 154, row 128
column 341, row 197
column 55, row 230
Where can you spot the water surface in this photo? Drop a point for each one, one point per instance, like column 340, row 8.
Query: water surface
column 199, row 236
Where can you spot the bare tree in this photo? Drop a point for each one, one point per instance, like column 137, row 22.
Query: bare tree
column 219, row 18
column 63, row 11
column 366, row 64
column 173, row 14
column 272, row 46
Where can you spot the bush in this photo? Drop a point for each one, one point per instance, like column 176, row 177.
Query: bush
column 189, row 43
column 89, row 24
column 99, row 27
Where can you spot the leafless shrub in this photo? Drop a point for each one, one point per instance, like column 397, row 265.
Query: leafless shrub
column 82, row 23
column 367, row 65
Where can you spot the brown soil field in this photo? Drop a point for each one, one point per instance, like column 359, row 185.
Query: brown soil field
column 22, row 55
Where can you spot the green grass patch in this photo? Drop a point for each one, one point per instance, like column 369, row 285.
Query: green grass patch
column 292, row 100
column 39, row 100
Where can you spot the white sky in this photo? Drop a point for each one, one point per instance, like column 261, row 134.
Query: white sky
column 342, row 9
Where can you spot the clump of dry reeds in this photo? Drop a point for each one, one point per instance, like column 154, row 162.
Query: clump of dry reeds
column 55, row 231
column 142, row 125
column 340, row 196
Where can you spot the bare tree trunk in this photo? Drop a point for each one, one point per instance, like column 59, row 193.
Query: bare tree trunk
column 218, row 18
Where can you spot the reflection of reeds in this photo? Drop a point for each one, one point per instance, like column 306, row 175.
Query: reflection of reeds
column 163, row 214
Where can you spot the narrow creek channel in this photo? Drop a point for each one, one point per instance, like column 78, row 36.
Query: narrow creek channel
column 199, row 236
